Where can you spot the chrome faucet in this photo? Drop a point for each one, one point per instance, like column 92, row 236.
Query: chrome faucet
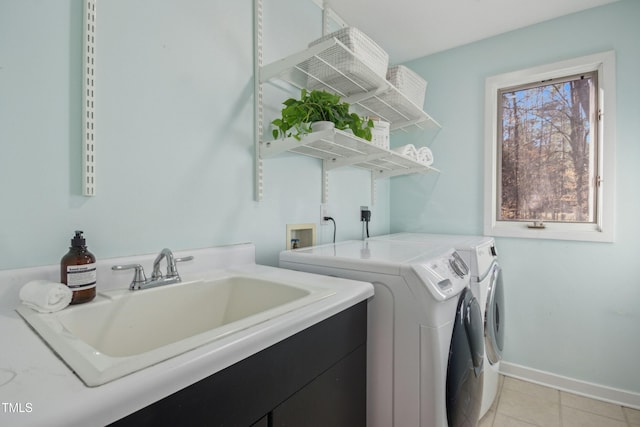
column 172, row 271
column 140, row 280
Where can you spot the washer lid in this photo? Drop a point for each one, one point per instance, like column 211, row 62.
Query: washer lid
column 373, row 256
column 479, row 251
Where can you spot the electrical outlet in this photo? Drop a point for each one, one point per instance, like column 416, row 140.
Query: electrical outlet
column 324, row 211
column 362, row 209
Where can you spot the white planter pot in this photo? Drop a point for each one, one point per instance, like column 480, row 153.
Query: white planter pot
column 320, row 126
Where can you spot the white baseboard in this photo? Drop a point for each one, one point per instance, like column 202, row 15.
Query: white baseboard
column 608, row 394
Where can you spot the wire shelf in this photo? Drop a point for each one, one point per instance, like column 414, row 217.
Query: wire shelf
column 339, row 149
column 332, row 66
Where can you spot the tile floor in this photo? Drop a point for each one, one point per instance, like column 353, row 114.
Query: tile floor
column 524, row 404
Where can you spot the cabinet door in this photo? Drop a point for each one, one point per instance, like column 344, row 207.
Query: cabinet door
column 246, row 391
column 336, row 398
column 262, row 422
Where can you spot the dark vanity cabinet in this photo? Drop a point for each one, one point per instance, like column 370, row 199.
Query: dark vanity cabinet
column 316, row 377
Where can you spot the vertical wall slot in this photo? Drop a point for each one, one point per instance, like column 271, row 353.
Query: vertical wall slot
column 258, row 105
column 88, row 94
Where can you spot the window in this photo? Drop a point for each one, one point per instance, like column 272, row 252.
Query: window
column 550, row 147
column 546, row 150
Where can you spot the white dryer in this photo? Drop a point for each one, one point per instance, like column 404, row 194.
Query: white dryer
column 479, row 252
column 424, row 348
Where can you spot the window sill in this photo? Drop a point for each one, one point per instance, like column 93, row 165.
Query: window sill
column 551, row 231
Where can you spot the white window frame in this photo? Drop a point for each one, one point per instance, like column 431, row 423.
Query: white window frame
column 603, row 230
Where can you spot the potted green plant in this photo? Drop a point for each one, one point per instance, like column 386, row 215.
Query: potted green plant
column 298, row 115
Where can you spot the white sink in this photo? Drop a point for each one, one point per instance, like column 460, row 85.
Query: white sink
column 123, row 331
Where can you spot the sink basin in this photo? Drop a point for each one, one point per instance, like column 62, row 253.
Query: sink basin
column 129, row 323
column 123, row 331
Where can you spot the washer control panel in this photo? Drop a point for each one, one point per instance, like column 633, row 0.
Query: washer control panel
column 444, row 276
column 458, row 265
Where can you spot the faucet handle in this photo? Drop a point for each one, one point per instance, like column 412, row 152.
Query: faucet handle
column 138, row 276
column 172, row 270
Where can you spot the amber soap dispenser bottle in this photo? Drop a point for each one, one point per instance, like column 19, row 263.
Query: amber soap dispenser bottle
column 78, row 270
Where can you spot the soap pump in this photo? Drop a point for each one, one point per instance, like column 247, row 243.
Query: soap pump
column 78, row 270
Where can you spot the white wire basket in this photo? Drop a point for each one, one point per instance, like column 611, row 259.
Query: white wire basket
column 338, row 69
column 408, row 83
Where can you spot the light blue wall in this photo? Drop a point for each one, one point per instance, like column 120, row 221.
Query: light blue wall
column 573, row 308
column 174, row 132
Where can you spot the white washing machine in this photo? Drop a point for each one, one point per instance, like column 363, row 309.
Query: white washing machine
column 480, row 254
column 424, row 347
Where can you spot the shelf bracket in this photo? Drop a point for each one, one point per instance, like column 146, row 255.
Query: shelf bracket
column 329, row 15
column 348, row 161
column 408, row 171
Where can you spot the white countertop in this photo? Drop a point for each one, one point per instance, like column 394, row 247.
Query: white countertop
column 38, row 389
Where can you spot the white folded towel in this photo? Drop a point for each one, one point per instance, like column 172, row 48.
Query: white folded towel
column 408, row 150
column 45, row 296
column 425, row 156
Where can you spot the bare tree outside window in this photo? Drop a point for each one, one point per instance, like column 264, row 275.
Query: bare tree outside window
column 547, row 153
column 550, row 150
